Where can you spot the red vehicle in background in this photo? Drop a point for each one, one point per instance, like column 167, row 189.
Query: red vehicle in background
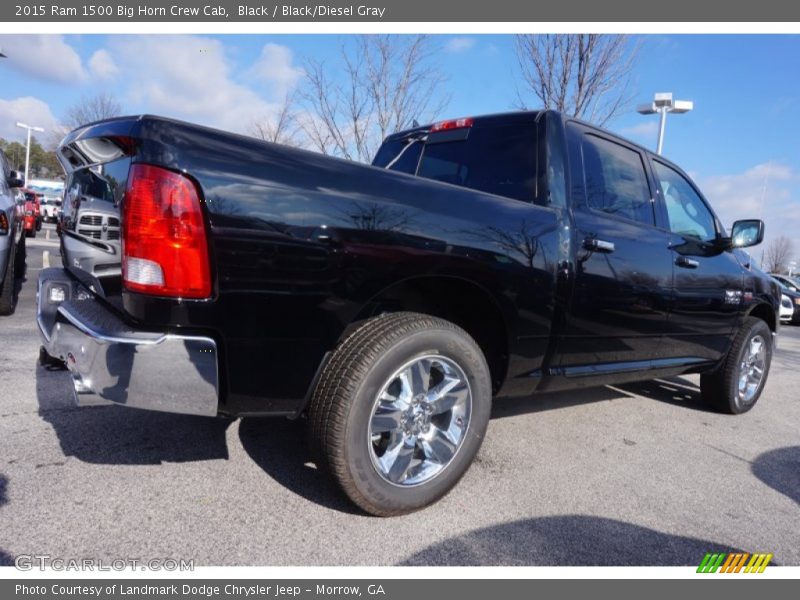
column 33, row 212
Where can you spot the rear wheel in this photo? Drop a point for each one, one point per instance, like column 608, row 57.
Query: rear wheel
column 736, row 385
column 400, row 411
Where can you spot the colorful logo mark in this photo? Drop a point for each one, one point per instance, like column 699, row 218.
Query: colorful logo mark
column 734, row 563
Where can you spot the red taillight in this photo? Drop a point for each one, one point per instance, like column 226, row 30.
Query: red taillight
column 452, row 124
column 164, row 247
column 3, row 223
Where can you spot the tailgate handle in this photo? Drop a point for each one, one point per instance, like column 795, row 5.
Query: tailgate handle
column 598, row 245
column 687, row 263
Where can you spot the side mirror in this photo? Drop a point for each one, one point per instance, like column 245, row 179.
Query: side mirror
column 15, row 179
column 746, row 233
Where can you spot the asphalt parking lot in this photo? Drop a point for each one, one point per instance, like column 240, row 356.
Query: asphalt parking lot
column 640, row 474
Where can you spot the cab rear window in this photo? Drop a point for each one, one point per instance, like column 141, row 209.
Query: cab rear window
column 400, row 155
column 497, row 159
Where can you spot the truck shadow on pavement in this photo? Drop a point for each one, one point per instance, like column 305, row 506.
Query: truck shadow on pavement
column 125, row 436
column 780, row 470
column 280, row 448
column 128, row 436
column 5, row 558
column 569, row 540
column 672, row 390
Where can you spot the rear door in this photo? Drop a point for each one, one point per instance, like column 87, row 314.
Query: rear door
column 623, row 267
column 708, row 281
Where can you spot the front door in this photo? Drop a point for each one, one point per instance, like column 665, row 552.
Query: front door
column 708, row 280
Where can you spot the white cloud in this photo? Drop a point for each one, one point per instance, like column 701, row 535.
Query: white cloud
column 29, row 110
column 47, row 57
column 769, row 191
column 274, row 67
column 644, row 132
column 459, row 44
column 189, row 77
column 102, row 66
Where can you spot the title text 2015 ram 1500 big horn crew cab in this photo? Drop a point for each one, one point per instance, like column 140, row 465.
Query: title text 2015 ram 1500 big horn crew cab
column 477, row 258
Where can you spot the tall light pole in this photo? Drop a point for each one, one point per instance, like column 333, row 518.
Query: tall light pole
column 28, row 146
column 662, row 104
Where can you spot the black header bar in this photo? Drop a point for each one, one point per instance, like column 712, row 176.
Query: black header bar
column 391, row 11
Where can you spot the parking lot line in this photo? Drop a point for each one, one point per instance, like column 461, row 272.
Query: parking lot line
column 46, row 259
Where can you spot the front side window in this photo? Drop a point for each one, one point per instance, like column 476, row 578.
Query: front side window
column 688, row 214
column 616, row 182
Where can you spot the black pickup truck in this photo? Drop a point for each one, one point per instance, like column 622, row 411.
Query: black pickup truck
column 388, row 304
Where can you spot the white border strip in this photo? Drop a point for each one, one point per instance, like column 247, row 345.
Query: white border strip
column 287, row 27
column 382, row 573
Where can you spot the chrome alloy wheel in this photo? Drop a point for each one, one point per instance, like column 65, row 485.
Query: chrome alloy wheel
column 419, row 420
column 751, row 370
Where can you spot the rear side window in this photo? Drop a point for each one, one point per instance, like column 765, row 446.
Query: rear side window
column 499, row 160
column 616, row 182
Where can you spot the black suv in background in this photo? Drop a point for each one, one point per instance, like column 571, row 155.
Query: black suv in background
column 791, row 289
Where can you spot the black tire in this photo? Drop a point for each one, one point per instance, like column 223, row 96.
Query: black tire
column 342, row 404
column 720, row 389
column 21, row 258
column 30, row 233
column 8, row 284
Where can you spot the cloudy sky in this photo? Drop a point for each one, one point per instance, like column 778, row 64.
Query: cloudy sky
column 740, row 143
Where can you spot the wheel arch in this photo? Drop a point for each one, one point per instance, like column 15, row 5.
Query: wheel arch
column 463, row 302
column 766, row 313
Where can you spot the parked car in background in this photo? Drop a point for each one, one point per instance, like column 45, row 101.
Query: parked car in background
column 51, row 209
column 495, row 256
column 789, row 282
column 30, row 219
column 787, row 309
column 12, row 240
column 791, row 291
column 35, row 200
column 52, row 192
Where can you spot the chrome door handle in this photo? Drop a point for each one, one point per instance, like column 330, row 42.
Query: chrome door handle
column 687, row 263
column 598, row 245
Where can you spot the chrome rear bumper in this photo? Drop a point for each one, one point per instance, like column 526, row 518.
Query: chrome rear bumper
column 111, row 361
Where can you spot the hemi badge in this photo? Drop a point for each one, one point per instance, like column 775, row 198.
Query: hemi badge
column 733, row 297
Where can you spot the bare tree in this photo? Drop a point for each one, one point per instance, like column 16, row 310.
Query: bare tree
column 582, row 75
column 523, row 241
column 778, row 254
column 90, row 109
column 87, row 110
column 281, row 127
column 370, row 216
column 387, row 83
